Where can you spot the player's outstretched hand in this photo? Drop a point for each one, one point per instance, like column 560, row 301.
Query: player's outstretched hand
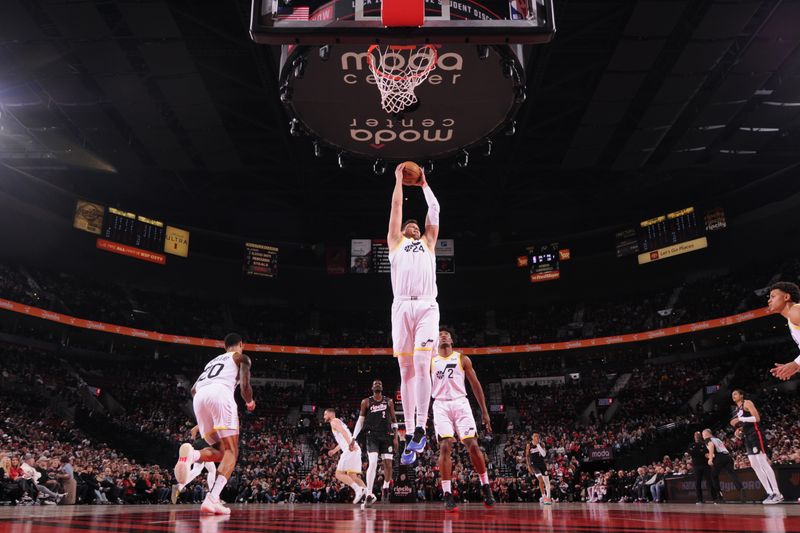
column 785, row 371
column 423, row 182
column 487, row 423
column 398, row 172
column 352, row 445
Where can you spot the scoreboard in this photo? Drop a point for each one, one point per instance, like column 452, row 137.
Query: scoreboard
column 128, row 228
column 125, row 233
column 260, row 260
column 671, row 234
column 666, row 230
column 544, row 262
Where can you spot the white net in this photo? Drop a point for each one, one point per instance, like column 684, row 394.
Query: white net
column 398, row 71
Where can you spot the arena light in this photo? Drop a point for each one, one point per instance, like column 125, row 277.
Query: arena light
column 379, row 168
column 738, row 152
column 758, row 130
column 695, row 149
column 783, row 104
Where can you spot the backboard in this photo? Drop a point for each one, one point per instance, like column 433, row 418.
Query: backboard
column 318, row 22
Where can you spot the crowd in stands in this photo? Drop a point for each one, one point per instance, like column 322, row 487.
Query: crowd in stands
column 284, row 451
column 544, row 322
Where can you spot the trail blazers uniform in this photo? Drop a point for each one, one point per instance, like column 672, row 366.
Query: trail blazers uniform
column 380, row 437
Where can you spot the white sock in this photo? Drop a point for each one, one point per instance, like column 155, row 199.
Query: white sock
column 219, row 484
column 372, row 470
column 446, row 486
column 212, row 474
column 385, row 484
column 422, row 386
column 193, row 473
column 355, row 487
column 484, row 478
column 547, row 485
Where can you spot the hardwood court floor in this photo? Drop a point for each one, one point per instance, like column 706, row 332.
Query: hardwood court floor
column 425, row 518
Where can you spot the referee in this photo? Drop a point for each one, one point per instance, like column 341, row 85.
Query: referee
column 719, row 459
column 697, row 451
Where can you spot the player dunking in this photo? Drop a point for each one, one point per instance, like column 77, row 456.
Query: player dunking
column 348, row 469
column 534, row 458
column 452, row 415
column 784, row 298
column 415, row 313
column 746, row 420
column 377, row 416
column 218, row 419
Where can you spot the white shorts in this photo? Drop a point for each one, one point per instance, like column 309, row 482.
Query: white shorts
column 415, row 327
column 216, row 413
column 350, row 462
column 454, row 417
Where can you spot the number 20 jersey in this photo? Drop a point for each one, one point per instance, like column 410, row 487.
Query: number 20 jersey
column 220, row 371
column 447, row 376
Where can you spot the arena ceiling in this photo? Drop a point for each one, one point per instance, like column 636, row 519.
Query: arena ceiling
column 169, row 108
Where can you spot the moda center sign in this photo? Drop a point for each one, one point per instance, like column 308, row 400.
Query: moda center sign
column 471, row 95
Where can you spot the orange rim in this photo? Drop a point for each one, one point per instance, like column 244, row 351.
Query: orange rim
column 394, row 77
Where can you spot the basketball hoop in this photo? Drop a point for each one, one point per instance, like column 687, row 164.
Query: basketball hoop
column 398, row 71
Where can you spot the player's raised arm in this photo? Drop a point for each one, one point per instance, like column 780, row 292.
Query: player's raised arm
column 466, row 364
column 396, row 215
column 245, row 388
column 432, row 218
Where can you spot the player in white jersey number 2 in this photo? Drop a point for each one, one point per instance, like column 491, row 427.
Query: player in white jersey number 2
column 218, row 419
column 415, row 312
column 452, row 415
column 348, row 469
column 784, row 299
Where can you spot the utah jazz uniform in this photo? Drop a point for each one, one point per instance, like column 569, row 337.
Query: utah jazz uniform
column 452, row 414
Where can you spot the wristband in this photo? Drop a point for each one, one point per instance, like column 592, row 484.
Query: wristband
column 395, row 426
column 797, row 359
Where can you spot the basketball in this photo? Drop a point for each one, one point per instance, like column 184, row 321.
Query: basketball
column 412, row 174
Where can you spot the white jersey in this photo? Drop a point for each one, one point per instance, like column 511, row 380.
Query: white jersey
column 795, row 331
column 447, row 375
column 222, row 370
column 342, row 438
column 413, row 269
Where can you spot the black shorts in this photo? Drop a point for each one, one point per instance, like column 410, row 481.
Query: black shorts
column 380, row 443
column 538, row 466
column 754, row 443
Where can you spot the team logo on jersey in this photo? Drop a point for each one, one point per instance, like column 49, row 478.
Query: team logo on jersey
column 440, row 373
column 414, row 246
column 425, row 343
